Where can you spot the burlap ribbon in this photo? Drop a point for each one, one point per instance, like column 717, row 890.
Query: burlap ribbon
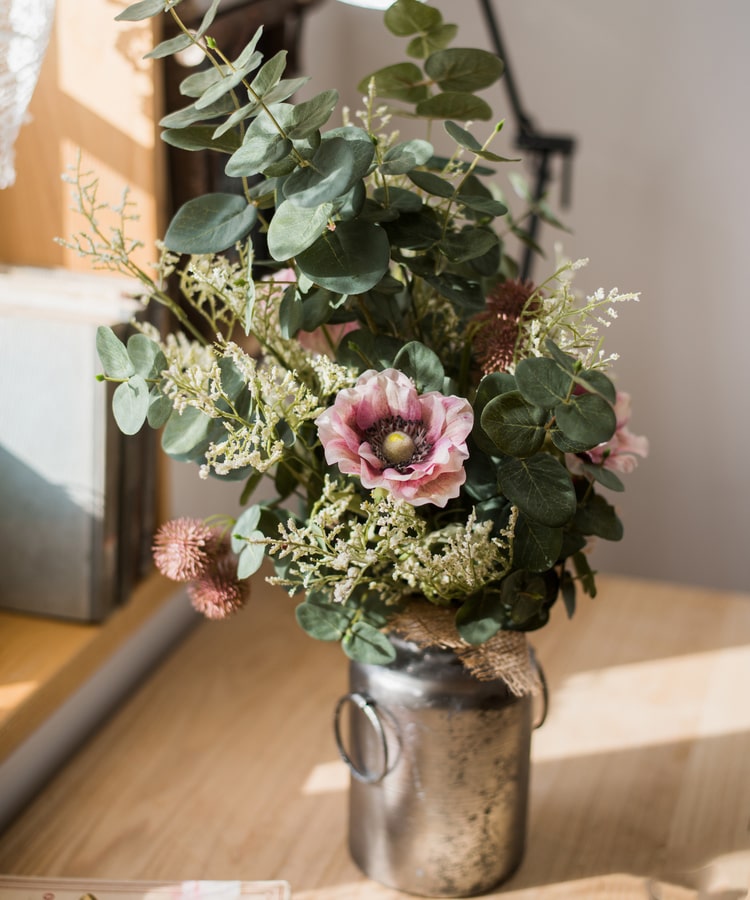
column 506, row 655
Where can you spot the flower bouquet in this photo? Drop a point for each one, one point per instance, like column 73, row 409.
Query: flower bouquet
column 411, row 425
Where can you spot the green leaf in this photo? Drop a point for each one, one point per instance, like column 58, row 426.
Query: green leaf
column 460, row 69
column 350, row 260
column 542, row 381
column 536, row 547
column 402, row 81
column 251, row 556
column 403, row 157
column 432, row 40
column 113, row 354
column 462, row 291
column 245, row 526
column 325, row 621
column 414, row 231
column 454, row 105
column 170, row 47
column 269, row 73
column 210, row 223
column 480, row 617
column 605, row 477
column 130, row 404
column 598, row 517
column 599, row 383
column 539, row 486
column 188, row 115
column 146, row 356
column 185, row 433
column 514, row 425
column 398, row 198
column 199, row 137
column 525, row 596
column 366, row 644
column 422, row 365
column 310, row 115
column 141, row 10
column 407, row 17
column 262, row 146
column 291, row 313
column 586, row 419
column 432, row 183
column 334, row 170
column 585, row 573
column 293, row 229
column 159, row 409
column 469, row 243
column 248, row 60
column 564, row 360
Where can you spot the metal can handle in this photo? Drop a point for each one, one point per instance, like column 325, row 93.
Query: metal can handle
column 367, row 706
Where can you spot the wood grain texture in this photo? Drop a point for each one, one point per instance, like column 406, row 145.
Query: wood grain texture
column 223, row 765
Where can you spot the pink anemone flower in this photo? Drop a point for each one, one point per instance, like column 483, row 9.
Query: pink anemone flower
column 412, row 445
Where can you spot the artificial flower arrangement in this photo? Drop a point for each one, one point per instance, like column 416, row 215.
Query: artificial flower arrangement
column 352, row 336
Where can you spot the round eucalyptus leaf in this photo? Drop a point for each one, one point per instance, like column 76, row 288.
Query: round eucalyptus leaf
column 251, row 556
column 414, row 230
column 310, row 115
column 410, row 16
column 422, row 365
column 258, row 152
column 536, row 547
column 185, row 433
column 464, row 69
column 402, row 81
column 486, row 205
column 598, row 382
column 434, row 39
column 130, row 404
column 398, row 198
column 200, row 137
column 210, row 223
column 514, row 425
column 598, row 517
column 337, row 165
column 246, row 526
column 525, row 597
column 404, row 157
column 367, row 644
column 146, row 356
column 432, row 183
column 469, row 243
column 293, row 229
column 323, row 621
column 480, row 617
column 539, row 486
column 542, row 381
column 454, row 105
column 586, row 419
column 606, row 477
column 113, row 354
column 349, row 260
column 159, row 409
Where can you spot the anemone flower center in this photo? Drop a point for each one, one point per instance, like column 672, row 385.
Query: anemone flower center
column 398, row 442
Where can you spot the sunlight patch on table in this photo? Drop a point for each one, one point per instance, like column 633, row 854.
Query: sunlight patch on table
column 13, row 695
column 326, row 778
column 640, row 704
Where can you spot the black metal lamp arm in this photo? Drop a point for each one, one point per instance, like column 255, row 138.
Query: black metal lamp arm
column 542, row 146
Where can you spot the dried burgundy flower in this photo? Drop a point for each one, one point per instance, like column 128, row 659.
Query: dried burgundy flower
column 495, row 342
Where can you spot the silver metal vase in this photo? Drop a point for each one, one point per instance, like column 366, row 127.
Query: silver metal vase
column 439, row 773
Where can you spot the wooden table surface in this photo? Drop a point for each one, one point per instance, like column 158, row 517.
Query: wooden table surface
column 223, row 764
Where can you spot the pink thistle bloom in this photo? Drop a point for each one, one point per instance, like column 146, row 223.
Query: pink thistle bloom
column 183, row 548
column 218, row 593
column 411, row 444
column 620, row 453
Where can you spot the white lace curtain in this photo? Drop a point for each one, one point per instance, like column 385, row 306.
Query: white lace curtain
column 24, row 32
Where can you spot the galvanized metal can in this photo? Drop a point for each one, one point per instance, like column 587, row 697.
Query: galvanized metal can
column 439, row 773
